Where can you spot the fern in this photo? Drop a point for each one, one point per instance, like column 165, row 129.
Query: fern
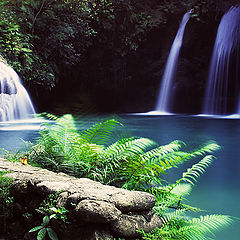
column 194, row 229
column 200, row 228
column 128, row 147
column 181, row 189
column 176, row 224
column 133, row 163
column 196, row 170
column 101, row 132
column 130, row 162
column 162, row 150
column 173, row 216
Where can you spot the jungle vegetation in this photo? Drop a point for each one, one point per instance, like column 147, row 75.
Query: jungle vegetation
column 90, row 47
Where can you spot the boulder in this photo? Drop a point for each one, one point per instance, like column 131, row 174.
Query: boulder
column 97, row 211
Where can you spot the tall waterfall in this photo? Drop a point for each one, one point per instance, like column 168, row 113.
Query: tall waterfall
column 223, row 89
column 15, row 102
column 164, row 96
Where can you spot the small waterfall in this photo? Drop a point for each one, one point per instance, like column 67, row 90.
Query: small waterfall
column 15, row 102
column 164, row 96
column 223, row 89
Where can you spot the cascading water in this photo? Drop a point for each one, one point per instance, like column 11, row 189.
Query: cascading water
column 164, row 97
column 223, row 90
column 15, row 102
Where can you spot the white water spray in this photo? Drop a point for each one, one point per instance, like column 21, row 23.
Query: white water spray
column 15, row 102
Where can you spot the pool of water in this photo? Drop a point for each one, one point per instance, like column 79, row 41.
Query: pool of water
column 217, row 191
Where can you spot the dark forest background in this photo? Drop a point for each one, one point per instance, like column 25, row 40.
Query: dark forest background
column 91, row 56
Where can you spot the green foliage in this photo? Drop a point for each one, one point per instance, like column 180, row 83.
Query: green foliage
column 44, row 229
column 49, row 208
column 132, row 163
column 58, row 42
column 6, row 201
column 17, row 43
column 10, row 155
column 50, row 211
column 196, row 170
column 177, row 224
column 42, row 40
column 194, row 229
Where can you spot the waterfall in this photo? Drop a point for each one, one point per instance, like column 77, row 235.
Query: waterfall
column 164, row 96
column 223, row 89
column 15, row 102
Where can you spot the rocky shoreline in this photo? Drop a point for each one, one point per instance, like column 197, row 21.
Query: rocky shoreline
column 96, row 211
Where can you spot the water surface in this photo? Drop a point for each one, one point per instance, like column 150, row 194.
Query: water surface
column 217, row 190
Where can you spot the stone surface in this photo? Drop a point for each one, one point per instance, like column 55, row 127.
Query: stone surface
column 62, row 199
column 127, row 226
column 45, row 182
column 97, row 211
column 102, row 235
column 133, row 201
column 89, row 203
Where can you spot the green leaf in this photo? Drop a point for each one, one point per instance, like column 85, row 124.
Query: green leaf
column 41, row 234
column 36, row 228
column 52, row 234
column 26, row 50
column 45, row 221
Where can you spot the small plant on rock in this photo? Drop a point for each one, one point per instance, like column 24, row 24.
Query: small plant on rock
column 51, row 212
column 45, row 229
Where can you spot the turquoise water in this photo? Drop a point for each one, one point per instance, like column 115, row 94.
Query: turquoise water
column 218, row 190
column 14, row 134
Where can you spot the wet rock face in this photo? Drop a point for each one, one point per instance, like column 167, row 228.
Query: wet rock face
column 98, row 211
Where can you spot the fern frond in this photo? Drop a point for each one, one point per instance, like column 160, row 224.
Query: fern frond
column 101, row 132
column 128, row 147
column 156, row 159
column 165, row 200
column 199, row 228
column 206, row 149
column 196, row 170
column 177, row 214
column 210, row 147
column 181, row 189
column 49, row 116
column 140, row 145
column 66, row 121
column 162, row 150
column 193, row 229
